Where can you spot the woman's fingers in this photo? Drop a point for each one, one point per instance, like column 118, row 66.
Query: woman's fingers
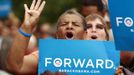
column 33, row 5
column 41, row 6
column 37, row 5
column 26, row 7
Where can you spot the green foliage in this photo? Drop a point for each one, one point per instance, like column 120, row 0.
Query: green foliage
column 51, row 12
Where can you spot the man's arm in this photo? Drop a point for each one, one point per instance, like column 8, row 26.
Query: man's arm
column 17, row 62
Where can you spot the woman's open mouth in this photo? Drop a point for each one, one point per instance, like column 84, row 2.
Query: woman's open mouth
column 93, row 37
column 69, row 35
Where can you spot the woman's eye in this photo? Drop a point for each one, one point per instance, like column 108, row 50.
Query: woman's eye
column 100, row 26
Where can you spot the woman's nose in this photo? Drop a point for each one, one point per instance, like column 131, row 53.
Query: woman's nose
column 93, row 30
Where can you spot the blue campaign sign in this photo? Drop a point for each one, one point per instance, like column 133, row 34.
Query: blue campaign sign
column 78, row 57
column 122, row 21
column 5, row 8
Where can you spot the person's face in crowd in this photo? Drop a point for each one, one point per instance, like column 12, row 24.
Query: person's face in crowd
column 95, row 30
column 87, row 10
column 45, row 30
column 45, row 27
column 70, row 27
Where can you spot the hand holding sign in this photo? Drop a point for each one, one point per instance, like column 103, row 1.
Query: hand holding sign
column 32, row 15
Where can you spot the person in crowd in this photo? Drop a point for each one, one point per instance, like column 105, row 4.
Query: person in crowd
column 5, row 44
column 17, row 62
column 45, row 30
column 127, row 62
column 70, row 25
column 96, row 28
column 6, row 32
column 107, row 20
column 92, row 6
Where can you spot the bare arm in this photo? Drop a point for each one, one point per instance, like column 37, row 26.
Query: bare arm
column 17, row 62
